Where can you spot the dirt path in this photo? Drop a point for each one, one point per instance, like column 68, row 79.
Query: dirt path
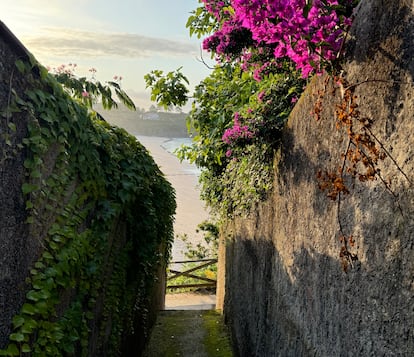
column 185, row 333
column 190, row 301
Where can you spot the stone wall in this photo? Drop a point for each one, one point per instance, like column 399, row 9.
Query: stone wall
column 17, row 253
column 286, row 291
column 85, row 275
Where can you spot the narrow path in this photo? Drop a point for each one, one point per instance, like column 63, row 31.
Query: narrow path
column 189, row 333
column 190, row 301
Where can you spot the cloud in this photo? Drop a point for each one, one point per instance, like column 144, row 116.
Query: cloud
column 61, row 42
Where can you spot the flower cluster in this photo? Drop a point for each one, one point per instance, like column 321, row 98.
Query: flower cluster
column 263, row 117
column 237, row 132
column 310, row 33
column 68, row 69
column 214, row 7
column 229, row 40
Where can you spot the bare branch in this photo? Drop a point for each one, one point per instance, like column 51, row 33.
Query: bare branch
column 201, row 59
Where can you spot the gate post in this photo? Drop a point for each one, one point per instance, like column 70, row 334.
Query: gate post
column 221, row 272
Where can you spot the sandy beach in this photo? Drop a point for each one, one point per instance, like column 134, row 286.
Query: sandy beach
column 183, row 176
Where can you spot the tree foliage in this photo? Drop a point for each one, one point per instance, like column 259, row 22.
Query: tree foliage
column 167, row 89
column 239, row 111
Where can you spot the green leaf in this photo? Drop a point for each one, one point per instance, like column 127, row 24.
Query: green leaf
column 41, row 307
column 44, row 294
column 28, row 188
column 12, row 127
column 47, row 255
column 40, row 265
column 12, row 350
column 29, row 205
column 20, row 66
column 36, row 174
column 33, row 295
column 28, row 309
column 18, row 337
column 292, row 90
column 18, row 321
column 69, row 348
column 29, row 326
column 51, row 272
column 26, row 348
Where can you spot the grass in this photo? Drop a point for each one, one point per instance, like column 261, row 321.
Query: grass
column 216, row 340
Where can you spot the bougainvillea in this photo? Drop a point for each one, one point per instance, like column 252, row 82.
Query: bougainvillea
column 310, row 33
column 265, row 50
column 237, row 132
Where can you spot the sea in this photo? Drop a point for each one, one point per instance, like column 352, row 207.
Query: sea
column 173, row 144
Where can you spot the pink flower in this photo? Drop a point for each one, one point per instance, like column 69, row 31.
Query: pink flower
column 85, row 94
column 237, row 132
column 261, row 95
column 308, row 38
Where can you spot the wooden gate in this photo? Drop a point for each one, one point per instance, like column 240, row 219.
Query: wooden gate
column 203, row 281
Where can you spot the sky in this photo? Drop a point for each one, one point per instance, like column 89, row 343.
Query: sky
column 127, row 38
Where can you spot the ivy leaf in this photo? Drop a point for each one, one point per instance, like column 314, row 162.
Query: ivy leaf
column 32, row 295
column 29, row 326
column 18, row 337
column 28, row 188
column 28, row 309
column 12, row 350
column 20, row 66
column 26, row 348
column 18, row 321
column 12, row 127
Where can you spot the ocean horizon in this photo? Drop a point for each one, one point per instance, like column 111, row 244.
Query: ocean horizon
column 173, row 144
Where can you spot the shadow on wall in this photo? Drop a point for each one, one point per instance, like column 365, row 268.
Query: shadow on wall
column 381, row 45
column 378, row 26
column 286, row 294
column 315, row 309
column 298, row 165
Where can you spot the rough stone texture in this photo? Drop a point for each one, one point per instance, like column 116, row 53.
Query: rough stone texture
column 286, row 293
column 16, row 252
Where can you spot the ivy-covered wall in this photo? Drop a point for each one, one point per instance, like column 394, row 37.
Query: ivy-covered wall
column 310, row 276
column 86, row 222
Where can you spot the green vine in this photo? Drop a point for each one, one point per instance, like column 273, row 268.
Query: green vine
column 100, row 209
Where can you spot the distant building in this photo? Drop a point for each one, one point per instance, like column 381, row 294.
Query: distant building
column 151, row 116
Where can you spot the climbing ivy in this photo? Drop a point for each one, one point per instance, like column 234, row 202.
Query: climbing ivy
column 102, row 211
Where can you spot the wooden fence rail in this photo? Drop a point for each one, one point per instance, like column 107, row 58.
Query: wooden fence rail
column 204, row 282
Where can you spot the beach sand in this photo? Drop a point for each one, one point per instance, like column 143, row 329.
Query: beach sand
column 183, row 176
